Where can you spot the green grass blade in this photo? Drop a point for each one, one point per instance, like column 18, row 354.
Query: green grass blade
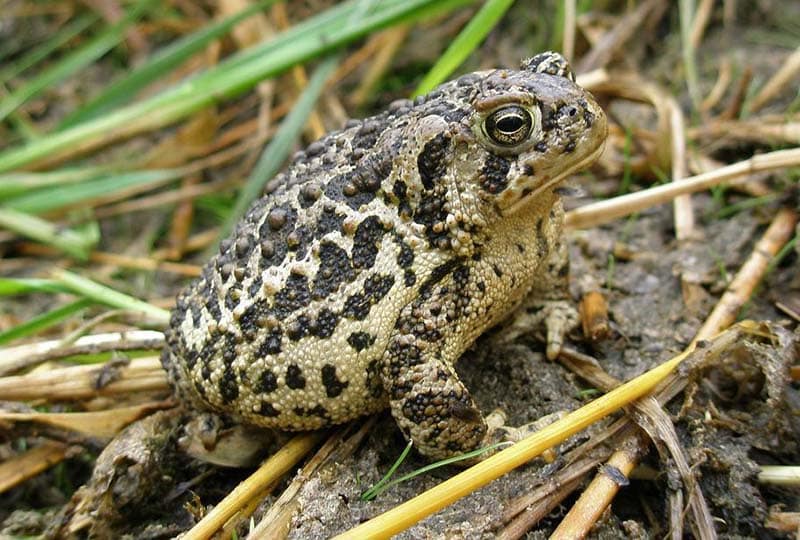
column 15, row 286
column 73, row 62
column 69, row 241
column 45, row 200
column 385, row 483
column 12, row 184
column 462, row 46
column 44, row 321
column 37, row 54
column 106, row 295
column 275, row 153
column 22, row 127
column 223, row 81
column 161, row 62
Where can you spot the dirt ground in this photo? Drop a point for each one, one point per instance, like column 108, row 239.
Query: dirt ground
column 737, row 418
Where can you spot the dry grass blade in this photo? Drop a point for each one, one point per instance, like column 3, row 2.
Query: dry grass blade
column 778, row 82
column 22, row 356
column 81, row 382
column 272, row 469
column 16, row 470
column 101, row 424
column 610, row 209
column 275, row 523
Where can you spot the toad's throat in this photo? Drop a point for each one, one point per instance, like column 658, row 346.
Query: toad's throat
column 527, row 189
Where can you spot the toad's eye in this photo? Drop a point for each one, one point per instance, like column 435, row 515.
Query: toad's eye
column 508, row 125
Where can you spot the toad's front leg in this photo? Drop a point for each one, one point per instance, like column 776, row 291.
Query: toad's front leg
column 430, row 404
column 548, row 304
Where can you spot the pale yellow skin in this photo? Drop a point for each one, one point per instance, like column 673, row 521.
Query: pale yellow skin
column 442, row 229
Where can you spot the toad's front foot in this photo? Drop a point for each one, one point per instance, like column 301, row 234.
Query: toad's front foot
column 558, row 317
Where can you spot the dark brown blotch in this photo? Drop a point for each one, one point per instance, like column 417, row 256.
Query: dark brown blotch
column 360, row 340
column 267, row 382
column 432, row 160
column 333, row 386
column 228, row 385
column 324, row 324
column 366, row 242
column 268, row 409
column 334, row 269
column 294, row 377
column 494, row 174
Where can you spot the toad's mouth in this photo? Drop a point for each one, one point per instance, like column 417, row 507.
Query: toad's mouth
column 527, row 192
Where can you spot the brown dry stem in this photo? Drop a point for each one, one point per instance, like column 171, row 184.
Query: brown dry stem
column 80, row 382
column 100, row 424
column 610, row 209
column 788, row 71
column 18, row 469
column 720, row 86
column 16, row 358
column 275, row 523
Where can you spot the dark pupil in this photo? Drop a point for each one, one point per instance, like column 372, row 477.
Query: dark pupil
column 510, row 123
